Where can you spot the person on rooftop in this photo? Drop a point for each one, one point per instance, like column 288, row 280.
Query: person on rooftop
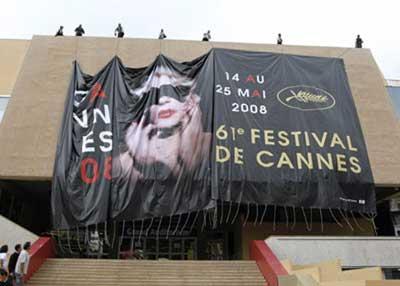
column 279, row 41
column 359, row 42
column 119, row 31
column 206, row 36
column 60, row 32
column 162, row 35
column 79, row 31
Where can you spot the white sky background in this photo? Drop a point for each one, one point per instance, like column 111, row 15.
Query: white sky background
column 301, row 22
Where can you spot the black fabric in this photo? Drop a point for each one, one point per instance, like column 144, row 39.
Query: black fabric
column 13, row 262
column 234, row 126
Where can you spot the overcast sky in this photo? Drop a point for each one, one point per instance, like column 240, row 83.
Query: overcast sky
column 302, row 22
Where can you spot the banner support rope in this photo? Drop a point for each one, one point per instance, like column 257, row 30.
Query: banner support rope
column 322, row 219
column 68, row 241
column 294, row 218
column 141, row 230
column 184, row 225
column 194, row 222
column 78, row 239
column 346, row 220
column 229, row 212
column 247, row 214
column 286, row 216
column 263, row 214
column 204, row 220
column 177, row 225
column 133, row 236
column 86, row 236
column 274, row 222
column 59, row 241
column 215, row 218
column 256, row 219
column 222, row 212
column 121, row 238
column 159, row 227
column 236, row 214
column 334, row 218
column 305, row 219
column 114, row 234
column 169, row 226
column 151, row 224
column 356, row 222
column 107, row 241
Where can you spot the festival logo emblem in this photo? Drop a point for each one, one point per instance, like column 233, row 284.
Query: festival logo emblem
column 306, row 98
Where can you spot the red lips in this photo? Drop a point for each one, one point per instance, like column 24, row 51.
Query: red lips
column 163, row 114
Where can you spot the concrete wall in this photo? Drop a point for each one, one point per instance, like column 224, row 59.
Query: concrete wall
column 263, row 231
column 28, row 141
column 11, row 234
column 353, row 252
column 12, row 53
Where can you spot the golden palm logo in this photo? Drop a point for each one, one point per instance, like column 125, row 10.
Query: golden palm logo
column 306, row 98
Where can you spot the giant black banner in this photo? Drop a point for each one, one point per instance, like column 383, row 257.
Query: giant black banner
column 232, row 126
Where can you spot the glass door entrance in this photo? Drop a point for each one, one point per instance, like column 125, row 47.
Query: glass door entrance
column 173, row 248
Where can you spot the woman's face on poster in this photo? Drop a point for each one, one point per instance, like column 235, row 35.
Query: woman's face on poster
column 168, row 112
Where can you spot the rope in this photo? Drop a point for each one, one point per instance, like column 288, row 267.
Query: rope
column 114, row 234
column 140, row 232
column 229, row 212
column 222, row 213
column 215, row 218
column 78, row 239
column 355, row 221
column 106, row 234
column 335, row 219
column 59, row 241
column 286, row 216
column 346, row 220
column 305, row 219
column 159, row 226
column 256, row 219
column 133, row 236
column 69, row 243
column 204, row 220
column 184, row 225
column 322, row 219
column 247, row 214
column 236, row 214
column 151, row 224
column 169, row 226
column 294, row 218
column 263, row 215
column 177, row 225
column 194, row 221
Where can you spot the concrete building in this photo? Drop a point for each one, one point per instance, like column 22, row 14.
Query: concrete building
column 36, row 75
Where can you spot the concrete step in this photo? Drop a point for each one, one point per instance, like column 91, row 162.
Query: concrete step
column 63, row 272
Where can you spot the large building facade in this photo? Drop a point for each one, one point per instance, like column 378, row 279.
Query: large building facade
column 34, row 78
